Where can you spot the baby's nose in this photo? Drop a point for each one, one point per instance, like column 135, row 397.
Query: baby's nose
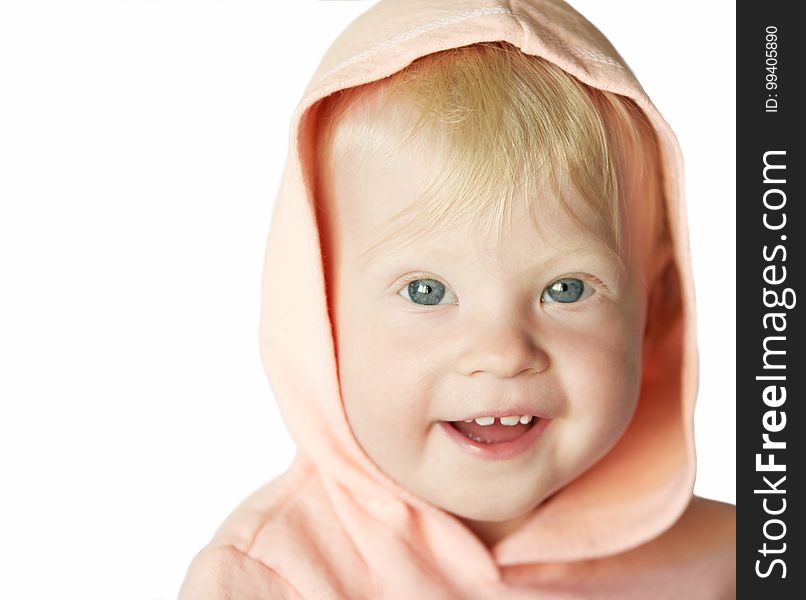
column 504, row 350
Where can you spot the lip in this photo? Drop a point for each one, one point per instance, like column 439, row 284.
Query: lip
column 517, row 410
column 502, row 450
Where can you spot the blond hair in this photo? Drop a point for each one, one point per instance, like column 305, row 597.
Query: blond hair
column 508, row 119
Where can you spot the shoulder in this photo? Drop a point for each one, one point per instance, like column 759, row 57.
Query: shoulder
column 230, row 566
column 713, row 518
column 225, row 572
column 269, row 504
column 694, row 558
column 703, row 542
column 284, row 541
column 705, row 531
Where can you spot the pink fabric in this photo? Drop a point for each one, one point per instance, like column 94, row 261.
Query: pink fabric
column 334, row 525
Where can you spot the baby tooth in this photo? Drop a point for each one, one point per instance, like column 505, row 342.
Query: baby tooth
column 468, row 420
column 526, row 419
column 512, row 420
column 485, row 420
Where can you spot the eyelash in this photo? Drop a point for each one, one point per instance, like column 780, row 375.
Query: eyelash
column 591, row 280
column 407, row 279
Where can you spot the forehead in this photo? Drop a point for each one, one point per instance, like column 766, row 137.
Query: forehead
column 375, row 200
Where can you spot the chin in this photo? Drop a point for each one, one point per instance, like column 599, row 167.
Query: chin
column 494, row 506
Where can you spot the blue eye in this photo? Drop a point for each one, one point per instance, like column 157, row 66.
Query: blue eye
column 567, row 289
column 424, row 291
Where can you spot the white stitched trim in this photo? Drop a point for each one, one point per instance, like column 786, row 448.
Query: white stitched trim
column 445, row 21
column 412, row 33
column 582, row 52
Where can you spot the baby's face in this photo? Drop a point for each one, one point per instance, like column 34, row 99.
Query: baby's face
column 447, row 326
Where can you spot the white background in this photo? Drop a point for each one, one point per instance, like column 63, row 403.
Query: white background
column 141, row 144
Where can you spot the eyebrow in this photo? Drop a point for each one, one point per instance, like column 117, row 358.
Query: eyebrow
column 596, row 250
column 610, row 256
column 375, row 251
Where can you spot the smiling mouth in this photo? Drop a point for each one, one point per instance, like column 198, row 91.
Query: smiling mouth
column 495, row 433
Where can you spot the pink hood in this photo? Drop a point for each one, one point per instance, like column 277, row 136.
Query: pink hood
column 335, row 526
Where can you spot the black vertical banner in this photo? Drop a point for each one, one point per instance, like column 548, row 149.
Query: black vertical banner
column 771, row 268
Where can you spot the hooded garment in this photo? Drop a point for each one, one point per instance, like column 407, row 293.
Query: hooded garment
column 334, row 525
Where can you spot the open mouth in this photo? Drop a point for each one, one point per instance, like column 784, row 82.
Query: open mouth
column 496, row 432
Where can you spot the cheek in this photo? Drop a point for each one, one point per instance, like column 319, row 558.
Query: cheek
column 385, row 373
column 601, row 371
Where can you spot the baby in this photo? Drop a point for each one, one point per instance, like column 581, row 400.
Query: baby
column 488, row 277
column 478, row 323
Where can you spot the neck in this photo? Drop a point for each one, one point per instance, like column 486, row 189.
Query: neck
column 492, row 532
